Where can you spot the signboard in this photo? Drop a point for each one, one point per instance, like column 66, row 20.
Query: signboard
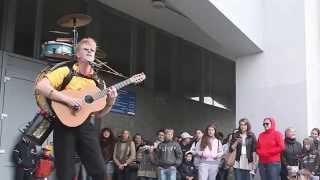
column 125, row 103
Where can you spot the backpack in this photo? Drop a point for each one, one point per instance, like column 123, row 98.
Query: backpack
column 44, row 168
column 24, row 154
column 42, row 101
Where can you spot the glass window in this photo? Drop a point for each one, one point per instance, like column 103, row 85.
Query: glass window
column 208, row 79
column 141, row 49
column 219, row 81
column 25, row 27
column 1, row 20
column 224, row 82
column 54, row 10
column 163, row 56
column 114, row 38
column 188, row 70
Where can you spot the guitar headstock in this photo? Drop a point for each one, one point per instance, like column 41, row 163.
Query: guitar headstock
column 137, row 78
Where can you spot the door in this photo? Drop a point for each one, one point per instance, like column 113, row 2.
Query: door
column 19, row 105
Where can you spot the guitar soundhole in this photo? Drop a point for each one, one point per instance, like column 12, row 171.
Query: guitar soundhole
column 88, row 99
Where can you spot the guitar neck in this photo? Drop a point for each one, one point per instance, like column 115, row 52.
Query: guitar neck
column 117, row 86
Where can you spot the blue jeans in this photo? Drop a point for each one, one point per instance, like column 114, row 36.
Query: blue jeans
column 147, row 178
column 241, row 174
column 270, row 171
column 167, row 174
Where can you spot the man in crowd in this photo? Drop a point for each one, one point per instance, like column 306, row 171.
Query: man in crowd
column 168, row 156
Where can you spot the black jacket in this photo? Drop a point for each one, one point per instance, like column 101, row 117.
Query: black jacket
column 185, row 148
column 310, row 160
column 187, row 169
column 250, row 145
column 292, row 152
column 169, row 154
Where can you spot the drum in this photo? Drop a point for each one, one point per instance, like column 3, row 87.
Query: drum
column 57, row 51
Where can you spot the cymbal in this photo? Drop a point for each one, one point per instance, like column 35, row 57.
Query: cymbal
column 74, row 20
column 59, row 32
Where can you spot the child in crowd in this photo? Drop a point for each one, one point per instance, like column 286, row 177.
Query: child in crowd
column 44, row 166
column 187, row 169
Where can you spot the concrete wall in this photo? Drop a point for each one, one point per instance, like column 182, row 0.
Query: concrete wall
column 156, row 111
column 273, row 83
column 312, row 33
column 247, row 15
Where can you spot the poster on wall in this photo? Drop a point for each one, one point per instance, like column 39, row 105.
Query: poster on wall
column 125, row 103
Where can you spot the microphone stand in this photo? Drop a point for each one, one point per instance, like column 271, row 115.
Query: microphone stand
column 99, row 66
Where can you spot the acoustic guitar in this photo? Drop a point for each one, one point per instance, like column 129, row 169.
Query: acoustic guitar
column 93, row 100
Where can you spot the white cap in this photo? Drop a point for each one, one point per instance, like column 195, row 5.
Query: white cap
column 185, row 135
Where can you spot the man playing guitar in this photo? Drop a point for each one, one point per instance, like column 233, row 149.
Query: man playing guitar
column 84, row 138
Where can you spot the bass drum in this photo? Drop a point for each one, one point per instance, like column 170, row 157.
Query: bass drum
column 57, row 51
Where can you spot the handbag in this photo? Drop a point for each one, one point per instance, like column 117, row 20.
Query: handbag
column 230, row 159
column 133, row 165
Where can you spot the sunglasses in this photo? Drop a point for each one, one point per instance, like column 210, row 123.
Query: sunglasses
column 265, row 124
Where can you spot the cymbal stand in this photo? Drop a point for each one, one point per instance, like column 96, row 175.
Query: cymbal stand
column 75, row 33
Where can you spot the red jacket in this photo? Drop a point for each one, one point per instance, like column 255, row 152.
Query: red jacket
column 270, row 144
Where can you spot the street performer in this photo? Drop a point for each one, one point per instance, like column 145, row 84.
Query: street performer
column 82, row 139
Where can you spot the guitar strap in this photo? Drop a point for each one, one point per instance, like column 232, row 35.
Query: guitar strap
column 99, row 83
column 68, row 78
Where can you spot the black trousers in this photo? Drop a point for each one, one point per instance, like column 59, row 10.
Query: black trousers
column 84, row 140
column 22, row 174
column 128, row 173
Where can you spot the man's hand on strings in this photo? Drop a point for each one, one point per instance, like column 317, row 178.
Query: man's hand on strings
column 74, row 103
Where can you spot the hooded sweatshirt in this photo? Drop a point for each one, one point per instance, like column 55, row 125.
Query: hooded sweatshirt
column 270, row 144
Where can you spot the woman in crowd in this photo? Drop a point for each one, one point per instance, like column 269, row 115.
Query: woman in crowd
column 124, row 154
column 138, row 140
column 107, row 142
column 147, row 169
column 244, row 143
column 134, row 166
column 209, row 149
column 290, row 155
column 309, row 161
column 315, row 133
column 224, row 170
column 269, row 148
